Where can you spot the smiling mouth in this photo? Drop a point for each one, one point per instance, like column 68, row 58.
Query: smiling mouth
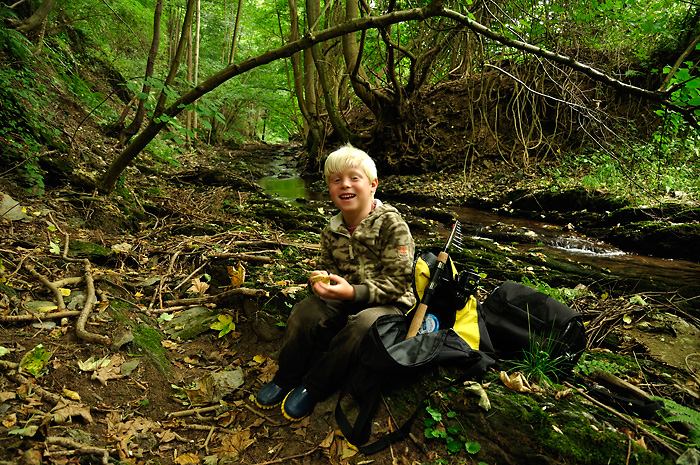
column 347, row 196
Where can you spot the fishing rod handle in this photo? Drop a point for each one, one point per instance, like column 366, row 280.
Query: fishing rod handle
column 422, row 309
column 417, row 320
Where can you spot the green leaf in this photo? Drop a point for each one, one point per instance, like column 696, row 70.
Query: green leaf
column 472, row 447
column 225, row 325
column 35, row 360
column 453, row 446
column 53, row 246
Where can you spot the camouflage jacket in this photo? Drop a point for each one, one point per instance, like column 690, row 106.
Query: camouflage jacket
column 377, row 259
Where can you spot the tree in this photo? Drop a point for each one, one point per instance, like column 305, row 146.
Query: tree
column 136, row 123
column 36, row 20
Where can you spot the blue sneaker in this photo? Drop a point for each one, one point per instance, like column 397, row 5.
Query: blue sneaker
column 297, row 404
column 270, row 396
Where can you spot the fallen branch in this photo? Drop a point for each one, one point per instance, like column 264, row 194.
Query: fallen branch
column 54, row 290
column 78, row 448
column 37, row 317
column 627, row 420
column 196, row 411
column 242, row 256
column 216, row 298
column 159, row 290
column 13, row 375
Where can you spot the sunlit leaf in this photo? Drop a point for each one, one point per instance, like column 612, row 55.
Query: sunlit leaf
column 35, row 360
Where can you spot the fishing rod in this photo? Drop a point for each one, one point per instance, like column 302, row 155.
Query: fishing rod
column 419, row 315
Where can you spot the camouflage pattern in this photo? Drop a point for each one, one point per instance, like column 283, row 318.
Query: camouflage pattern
column 377, row 259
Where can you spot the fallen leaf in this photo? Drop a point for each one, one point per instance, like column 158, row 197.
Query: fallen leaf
column 237, row 275
column 63, row 412
column 72, row 395
column 517, row 382
column 35, row 360
column 91, row 364
column 187, row 459
column 198, row 287
column 9, row 421
column 111, row 371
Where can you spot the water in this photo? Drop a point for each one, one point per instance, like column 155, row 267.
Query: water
column 289, row 187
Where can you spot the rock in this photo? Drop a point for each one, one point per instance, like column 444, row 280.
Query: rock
column 191, row 323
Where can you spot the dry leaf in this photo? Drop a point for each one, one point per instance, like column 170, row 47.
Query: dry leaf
column 72, row 395
column 9, row 421
column 187, row 459
column 237, row 276
column 111, row 371
column 517, row 382
column 63, row 412
column 198, row 287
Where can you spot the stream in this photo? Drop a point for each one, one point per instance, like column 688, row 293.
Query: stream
column 286, row 185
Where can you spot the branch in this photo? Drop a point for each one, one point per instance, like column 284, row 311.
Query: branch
column 216, row 298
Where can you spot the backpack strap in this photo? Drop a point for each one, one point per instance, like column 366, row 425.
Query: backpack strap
column 359, row 433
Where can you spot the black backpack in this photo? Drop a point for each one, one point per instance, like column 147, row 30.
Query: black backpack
column 519, row 319
column 386, row 353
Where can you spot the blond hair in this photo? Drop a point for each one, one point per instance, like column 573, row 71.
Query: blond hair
column 346, row 157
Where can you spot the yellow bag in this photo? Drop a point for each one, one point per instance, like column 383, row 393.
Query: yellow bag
column 453, row 304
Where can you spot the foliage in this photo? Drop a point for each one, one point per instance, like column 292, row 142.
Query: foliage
column 561, row 294
column 676, row 413
column 450, row 429
column 589, row 364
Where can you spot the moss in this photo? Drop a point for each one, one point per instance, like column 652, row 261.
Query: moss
column 146, row 338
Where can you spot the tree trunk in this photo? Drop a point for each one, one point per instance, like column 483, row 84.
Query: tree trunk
column 34, row 21
column 175, row 64
column 189, row 113
column 297, row 72
column 135, row 125
column 324, row 80
column 234, row 39
column 197, row 38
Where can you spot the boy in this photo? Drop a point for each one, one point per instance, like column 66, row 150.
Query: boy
column 364, row 271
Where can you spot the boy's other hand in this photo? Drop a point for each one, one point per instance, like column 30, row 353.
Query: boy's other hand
column 332, row 286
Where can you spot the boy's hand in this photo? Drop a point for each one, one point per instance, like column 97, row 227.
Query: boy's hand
column 331, row 286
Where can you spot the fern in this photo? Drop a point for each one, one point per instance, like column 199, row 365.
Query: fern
column 680, row 413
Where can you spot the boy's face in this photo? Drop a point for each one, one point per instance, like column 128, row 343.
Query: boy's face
column 352, row 191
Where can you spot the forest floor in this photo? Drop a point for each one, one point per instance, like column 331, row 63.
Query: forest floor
column 195, row 269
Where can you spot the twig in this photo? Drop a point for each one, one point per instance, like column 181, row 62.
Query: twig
column 289, row 457
column 180, row 307
column 159, row 290
column 190, row 275
column 80, row 448
column 262, row 415
column 206, row 442
column 37, row 317
column 241, row 256
column 196, row 411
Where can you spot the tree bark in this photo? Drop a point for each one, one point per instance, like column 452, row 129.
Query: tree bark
column 234, row 38
column 175, row 64
column 34, row 21
column 135, row 125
